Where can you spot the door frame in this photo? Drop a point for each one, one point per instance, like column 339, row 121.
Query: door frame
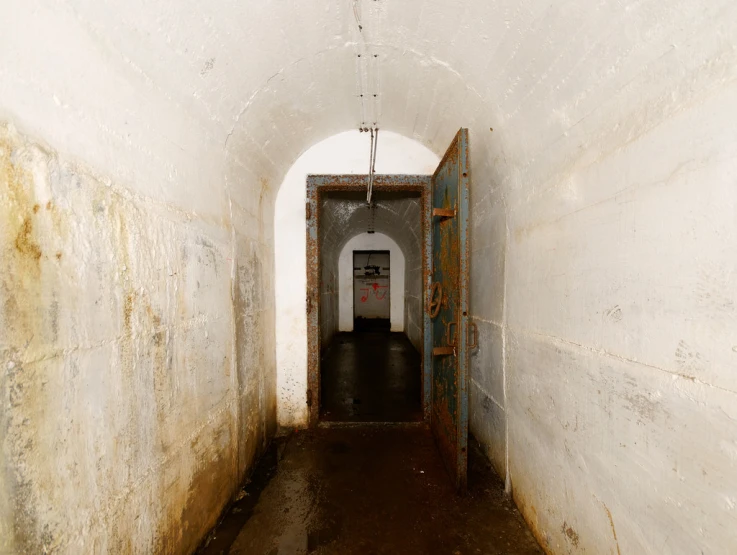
column 317, row 187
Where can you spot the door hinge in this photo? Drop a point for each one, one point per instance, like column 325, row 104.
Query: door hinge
column 309, row 397
column 308, row 210
column 443, row 351
column 444, row 212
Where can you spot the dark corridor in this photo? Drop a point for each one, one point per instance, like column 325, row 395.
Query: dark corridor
column 370, row 377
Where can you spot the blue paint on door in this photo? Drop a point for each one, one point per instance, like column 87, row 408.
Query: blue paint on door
column 449, row 329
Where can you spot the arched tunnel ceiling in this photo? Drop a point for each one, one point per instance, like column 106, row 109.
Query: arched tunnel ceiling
column 561, row 84
column 397, row 218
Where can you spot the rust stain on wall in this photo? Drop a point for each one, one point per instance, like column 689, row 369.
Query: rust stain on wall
column 19, row 209
column 571, row 534
column 194, row 503
column 155, row 491
column 128, row 311
column 611, row 523
column 24, row 241
column 21, row 286
column 528, row 510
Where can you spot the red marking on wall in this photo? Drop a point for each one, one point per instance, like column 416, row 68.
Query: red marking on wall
column 379, row 291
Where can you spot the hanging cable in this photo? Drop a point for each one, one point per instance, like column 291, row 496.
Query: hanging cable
column 371, row 216
column 376, row 145
column 372, row 153
column 368, row 81
column 373, row 162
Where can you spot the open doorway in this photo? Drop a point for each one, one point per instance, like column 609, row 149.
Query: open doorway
column 371, row 291
column 369, row 368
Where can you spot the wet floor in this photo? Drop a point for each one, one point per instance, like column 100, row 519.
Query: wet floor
column 371, row 377
column 369, row 489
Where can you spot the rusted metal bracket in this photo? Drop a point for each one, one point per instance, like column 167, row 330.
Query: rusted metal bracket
column 443, row 351
column 449, row 334
column 450, row 349
column 444, row 212
column 435, row 303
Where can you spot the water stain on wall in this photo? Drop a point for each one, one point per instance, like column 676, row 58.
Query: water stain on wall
column 118, row 432
column 21, row 285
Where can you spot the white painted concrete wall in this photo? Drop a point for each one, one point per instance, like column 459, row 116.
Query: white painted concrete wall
column 621, row 313
column 129, row 415
column 604, row 285
column 136, row 353
column 363, row 242
column 344, row 153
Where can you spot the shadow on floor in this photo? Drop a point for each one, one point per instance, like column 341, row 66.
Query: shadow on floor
column 371, row 377
column 369, row 489
column 371, row 324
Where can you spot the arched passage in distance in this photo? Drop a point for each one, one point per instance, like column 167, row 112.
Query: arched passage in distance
column 371, row 242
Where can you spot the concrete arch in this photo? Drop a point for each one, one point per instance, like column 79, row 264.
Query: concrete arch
column 371, row 241
column 346, row 152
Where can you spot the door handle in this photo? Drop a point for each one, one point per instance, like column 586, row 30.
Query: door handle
column 475, row 343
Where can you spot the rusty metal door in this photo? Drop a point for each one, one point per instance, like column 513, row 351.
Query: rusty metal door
column 448, row 308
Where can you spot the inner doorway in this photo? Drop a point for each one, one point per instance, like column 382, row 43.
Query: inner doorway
column 370, row 363
column 371, row 291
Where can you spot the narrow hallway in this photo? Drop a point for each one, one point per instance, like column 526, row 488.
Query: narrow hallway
column 371, row 377
column 369, row 489
column 190, row 193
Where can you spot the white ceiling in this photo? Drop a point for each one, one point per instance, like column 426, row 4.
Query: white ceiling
column 171, row 95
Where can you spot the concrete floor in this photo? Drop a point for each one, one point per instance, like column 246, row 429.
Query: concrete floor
column 371, row 377
column 369, row 488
